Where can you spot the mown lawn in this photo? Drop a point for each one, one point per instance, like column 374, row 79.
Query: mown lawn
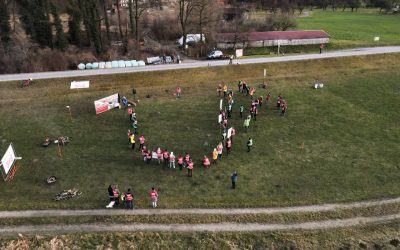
column 349, row 130
column 354, row 29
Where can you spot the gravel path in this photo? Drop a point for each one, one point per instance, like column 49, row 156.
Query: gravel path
column 275, row 210
column 199, row 64
column 216, row 227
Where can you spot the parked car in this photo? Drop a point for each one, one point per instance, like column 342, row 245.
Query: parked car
column 215, row 54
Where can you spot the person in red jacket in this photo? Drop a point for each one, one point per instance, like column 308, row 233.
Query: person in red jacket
column 206, row 162
column 180, row 162
column 153, row 197
column 141, row 142
column 190, row 168
column 166, row 157
column 129, row 199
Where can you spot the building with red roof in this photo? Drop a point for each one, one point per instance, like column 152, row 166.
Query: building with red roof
column 271, row 38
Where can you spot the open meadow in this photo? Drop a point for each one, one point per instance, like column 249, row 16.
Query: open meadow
column 349, row 129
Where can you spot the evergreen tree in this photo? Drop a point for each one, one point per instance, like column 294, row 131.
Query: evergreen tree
column 61, row 41
column 74, row 23
column 4, row 23
column 91, row 20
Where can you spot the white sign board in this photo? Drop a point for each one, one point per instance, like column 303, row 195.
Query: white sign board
column 229, row 133
column 8, row 159
column 154, row 155
column 80, row 85
column 106, row 104
column 265, row 73
column 219, row 118
column 239, row 52
column 220, row 104
column 376, row 39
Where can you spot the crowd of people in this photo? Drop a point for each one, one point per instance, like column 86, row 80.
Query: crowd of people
column 170, row 160
column 127, row 199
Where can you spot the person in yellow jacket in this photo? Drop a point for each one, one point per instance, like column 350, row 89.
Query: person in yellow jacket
column 225, row 90
column 132, row 141
column 215, row 155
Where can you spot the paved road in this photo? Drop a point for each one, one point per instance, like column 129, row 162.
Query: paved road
column 214, row 227
column 225, row 211
column 198, row 64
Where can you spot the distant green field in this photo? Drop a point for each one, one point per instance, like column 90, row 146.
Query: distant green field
column 354, row 29
column 350, row 131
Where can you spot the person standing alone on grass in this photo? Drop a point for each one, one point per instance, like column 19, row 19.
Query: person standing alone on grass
column 129, row 199
column 153, row 197
column 249, row 144
column 206, row 162
column 234, row 179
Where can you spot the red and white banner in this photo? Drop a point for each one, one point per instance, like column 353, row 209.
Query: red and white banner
column 106, row 104
column 8, row 159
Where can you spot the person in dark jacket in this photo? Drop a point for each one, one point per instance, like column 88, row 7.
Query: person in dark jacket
column 234, row 179
column 110, row 193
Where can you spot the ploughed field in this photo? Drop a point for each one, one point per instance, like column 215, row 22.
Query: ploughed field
column 339, row 143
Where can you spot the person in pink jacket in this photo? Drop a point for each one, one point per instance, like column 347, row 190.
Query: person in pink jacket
column 220, row 147
column 141, row 142
column 153, row 197
column 206, row 162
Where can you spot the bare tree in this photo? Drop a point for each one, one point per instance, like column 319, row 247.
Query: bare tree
column 186, row 8
column 139, row 6
column 107, row 23
column 117, row 3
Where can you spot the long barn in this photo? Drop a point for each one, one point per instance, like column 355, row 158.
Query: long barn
column 271, row 38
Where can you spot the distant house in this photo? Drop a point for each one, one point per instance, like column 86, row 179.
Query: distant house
column 270, row 38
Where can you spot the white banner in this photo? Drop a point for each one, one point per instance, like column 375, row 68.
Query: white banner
column 220, row 104
column 229, row 133
column 219, row 118
column 8, row 159
column 80, row 85
column 106, row 104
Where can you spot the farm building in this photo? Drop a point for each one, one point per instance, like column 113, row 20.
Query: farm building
column 270, row 38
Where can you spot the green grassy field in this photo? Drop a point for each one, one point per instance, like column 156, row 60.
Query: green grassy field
column 354, row 29
column 347, row 30
column 349, row 130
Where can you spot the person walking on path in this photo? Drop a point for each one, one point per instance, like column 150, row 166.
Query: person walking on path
column 249, row 144
column 132, row 140
column 141, row 142
column 153, row 197
column 190, row 168
column 234, row 179
column 172, row 160
column 129, row 199
column 215, row 156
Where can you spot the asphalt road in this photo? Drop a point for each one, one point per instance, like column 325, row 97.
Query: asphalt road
column 198, row 64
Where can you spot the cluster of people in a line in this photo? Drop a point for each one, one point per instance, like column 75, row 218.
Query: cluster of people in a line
column 127, row 199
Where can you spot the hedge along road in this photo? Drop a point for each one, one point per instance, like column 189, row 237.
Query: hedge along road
column 220, row 211
column 214, row 227
column 199, row 64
